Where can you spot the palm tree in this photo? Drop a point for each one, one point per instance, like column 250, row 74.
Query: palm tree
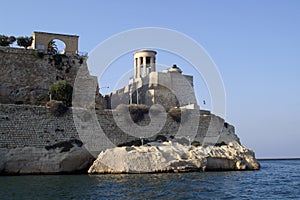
column 52, row 47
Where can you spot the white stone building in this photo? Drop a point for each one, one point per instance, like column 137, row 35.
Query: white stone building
column 169, row 88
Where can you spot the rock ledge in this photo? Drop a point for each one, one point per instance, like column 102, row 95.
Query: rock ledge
column 174, row 157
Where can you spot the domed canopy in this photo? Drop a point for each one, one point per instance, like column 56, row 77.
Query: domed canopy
column 144, row 63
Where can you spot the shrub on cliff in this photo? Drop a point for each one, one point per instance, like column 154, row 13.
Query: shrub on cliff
column 138, row 108
column 175, row 113
column 39, row 54
column 179, row 114
column 62, row 91
column 58, row 59
column 6, row 41
column 136, row 111
column 58, row 108
column 24, row 41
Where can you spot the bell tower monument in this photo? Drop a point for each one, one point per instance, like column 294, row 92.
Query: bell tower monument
column 144, row 63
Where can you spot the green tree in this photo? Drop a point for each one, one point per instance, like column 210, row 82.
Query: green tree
column 62, row 91
column 6, row 41
column 24, row 41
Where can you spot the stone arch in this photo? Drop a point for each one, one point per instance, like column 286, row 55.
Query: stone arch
column 42, row 39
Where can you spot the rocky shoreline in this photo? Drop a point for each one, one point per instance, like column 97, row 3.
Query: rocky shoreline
column 174, row 157
column 154, row 157
column 33, row 160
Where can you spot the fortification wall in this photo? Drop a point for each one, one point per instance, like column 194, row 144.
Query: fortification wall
column 26, row 75
column 26, row 125
column 37, row 126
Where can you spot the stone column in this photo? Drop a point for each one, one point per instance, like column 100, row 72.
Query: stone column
column 135, row 69
column 144, row 66
column 138, row 68
column 130, row 94
column 152, row 64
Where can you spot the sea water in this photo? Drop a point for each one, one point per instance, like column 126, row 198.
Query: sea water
column 277, row 179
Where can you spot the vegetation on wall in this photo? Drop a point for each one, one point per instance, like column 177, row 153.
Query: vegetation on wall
column 58, row 58
column 62, row 91
column 58, row 108
column 39, row 54
column 138, row 108
column 136, row 111
column 175, row 113
column 6, row 40
column 24, row 41
column 179, row 114
column 52, row 48
column 81, row 61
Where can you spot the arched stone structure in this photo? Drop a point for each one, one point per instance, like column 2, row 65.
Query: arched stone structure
column 42, row 39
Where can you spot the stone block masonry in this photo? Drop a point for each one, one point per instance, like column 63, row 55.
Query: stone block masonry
column 33, row 126
column 36, row 126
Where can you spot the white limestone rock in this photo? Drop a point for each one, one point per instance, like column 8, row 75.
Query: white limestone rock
column 232, row 157
column 173, row 157
column 160, row 157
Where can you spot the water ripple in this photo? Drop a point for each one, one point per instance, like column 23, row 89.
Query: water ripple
column 275, row 180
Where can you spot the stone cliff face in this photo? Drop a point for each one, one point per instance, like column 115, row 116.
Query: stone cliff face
column 34, row 160
column 26, row 76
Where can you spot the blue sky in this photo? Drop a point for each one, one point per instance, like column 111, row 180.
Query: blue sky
column 255, row 44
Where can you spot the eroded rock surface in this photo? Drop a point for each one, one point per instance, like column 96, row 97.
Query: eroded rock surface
column 174, row 157
column 32, row 160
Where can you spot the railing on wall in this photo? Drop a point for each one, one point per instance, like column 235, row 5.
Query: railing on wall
column 82, row 53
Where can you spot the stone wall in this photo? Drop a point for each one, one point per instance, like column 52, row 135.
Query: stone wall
column 37, row 126
column 26, row 75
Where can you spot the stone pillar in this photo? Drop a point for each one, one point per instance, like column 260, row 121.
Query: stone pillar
column 144, row 66
column 138, row 68
column 135, row 69
column 152, row 64
column 130, row 94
